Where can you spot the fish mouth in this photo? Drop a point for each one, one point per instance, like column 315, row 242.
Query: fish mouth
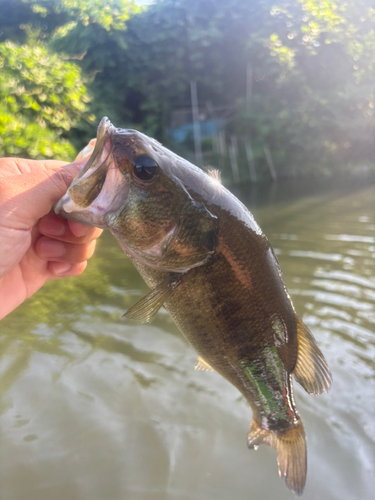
column 99, row 188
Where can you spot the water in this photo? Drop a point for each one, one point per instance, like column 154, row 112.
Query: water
column 93, row 408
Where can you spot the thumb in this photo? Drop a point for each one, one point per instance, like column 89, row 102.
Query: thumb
column 31, row 195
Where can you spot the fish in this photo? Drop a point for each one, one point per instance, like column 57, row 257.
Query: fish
column 206, row 260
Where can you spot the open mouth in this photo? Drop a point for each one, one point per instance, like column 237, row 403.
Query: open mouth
column 100, row 187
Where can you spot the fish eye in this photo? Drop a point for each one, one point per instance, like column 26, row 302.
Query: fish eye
column 145, row 168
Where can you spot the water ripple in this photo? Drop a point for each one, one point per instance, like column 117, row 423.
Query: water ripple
column 344, row 276
column 350, row 237
column 316, row 255
column 334, row 298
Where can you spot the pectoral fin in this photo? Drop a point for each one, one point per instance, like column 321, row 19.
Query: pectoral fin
column 147, row 308
column 202, row 365
column 311, row 370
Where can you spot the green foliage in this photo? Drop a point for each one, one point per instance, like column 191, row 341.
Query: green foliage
column 93, row 35
column 311, row 97
column 41, row 98
column 310, row 63
column 325, row 87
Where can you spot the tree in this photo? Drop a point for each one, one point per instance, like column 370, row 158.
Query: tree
column 297, row 75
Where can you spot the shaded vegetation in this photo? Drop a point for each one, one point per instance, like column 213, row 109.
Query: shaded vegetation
column 295, row 76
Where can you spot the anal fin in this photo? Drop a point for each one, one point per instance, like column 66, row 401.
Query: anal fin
column 147, row 308
column 311, row 369
column 202, row 365
column 290, row 445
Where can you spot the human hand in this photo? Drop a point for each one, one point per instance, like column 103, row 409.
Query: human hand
column 37, row 245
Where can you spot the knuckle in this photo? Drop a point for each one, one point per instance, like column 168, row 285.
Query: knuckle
column 63, row 175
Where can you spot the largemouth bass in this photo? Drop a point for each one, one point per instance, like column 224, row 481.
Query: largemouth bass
column 208, row 263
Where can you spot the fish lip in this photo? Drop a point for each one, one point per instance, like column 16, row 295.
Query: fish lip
column 105, row 130
column 104, row 126
column 58, row 206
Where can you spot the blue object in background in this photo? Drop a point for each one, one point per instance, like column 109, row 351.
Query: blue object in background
column 207, row 128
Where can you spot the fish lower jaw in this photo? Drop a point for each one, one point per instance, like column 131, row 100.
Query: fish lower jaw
column 93, row 215
column 67, row 205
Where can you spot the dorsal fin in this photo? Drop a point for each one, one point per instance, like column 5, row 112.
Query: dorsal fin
column 311, row 370
column 147, row 308
column 214, row 174
column 202, row 365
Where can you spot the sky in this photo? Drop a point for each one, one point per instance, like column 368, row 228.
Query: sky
column 144, row 2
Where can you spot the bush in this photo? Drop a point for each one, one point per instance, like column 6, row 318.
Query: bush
column 41, row 98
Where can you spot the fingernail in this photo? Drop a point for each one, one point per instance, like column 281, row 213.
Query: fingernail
column 56, row 228
column 52, row 248
column 78, row 229
column 60, row 268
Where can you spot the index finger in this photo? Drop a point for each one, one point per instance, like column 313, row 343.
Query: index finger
column 18, row 166
column 33, row 187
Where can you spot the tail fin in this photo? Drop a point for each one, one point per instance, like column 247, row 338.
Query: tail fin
column 290, row 445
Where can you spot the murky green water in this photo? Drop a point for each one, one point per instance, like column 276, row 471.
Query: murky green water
column 94, row 408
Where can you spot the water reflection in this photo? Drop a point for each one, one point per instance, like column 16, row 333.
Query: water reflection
column 93, row 407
